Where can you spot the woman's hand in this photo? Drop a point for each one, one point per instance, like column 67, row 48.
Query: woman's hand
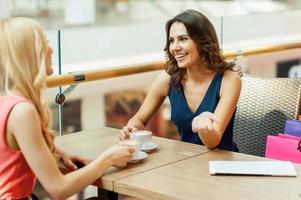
column 71, row 161
column 126, row 131
column 119, row 155
column 204, row 122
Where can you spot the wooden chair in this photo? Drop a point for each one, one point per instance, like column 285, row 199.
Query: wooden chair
column 263, row 107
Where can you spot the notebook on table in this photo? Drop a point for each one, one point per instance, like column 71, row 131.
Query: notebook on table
column 255, row 168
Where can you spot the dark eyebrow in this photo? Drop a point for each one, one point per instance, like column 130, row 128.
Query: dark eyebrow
column 183, row 35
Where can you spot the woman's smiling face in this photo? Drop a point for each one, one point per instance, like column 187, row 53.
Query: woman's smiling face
column 182, row 47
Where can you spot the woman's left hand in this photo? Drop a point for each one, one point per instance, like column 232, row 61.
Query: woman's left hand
column 204, row 122
column 70, row 161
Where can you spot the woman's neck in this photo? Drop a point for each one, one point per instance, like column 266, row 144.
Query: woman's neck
column 198, row 74
column 16, row 92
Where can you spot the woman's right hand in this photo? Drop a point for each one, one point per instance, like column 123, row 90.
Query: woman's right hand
column 126, row 131
column 119, row 155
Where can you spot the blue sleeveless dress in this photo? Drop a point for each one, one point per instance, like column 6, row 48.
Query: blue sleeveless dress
column 182, row 116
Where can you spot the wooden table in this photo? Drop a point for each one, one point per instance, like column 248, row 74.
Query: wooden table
column 91, row 143
column 189, row 179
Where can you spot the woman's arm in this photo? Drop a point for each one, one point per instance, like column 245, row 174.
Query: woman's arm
column 211, row 126
column 24, row 124
column 155, row 97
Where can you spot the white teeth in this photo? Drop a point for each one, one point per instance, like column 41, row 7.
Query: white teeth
column 179, row 55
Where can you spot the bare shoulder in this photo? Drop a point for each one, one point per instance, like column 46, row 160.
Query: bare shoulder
column 24, row 109
column 231, row 83
column 23, row 113
column 231, row 78
column 161, row 84
column 164, row 78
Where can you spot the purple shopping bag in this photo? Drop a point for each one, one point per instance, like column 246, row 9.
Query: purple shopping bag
column 293, row 127
column 283, row 147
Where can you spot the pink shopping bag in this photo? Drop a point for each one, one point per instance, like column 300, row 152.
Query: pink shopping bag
column 283, row 147
column 289, row 136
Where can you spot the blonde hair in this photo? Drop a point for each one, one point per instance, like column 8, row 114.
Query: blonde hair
column 23, row 50
column 1, row 74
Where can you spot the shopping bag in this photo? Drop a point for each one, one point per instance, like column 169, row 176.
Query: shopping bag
column 289, row 136
column 283, row 147
column 292, row 127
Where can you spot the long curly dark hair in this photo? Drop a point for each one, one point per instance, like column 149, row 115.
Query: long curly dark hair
column 202, row 32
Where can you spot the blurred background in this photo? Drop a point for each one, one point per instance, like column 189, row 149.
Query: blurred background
column 114, row 34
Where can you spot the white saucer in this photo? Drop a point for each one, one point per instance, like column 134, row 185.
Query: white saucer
column 150, row 147
column 142, row 155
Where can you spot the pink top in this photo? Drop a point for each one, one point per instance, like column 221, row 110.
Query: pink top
column 16, row 178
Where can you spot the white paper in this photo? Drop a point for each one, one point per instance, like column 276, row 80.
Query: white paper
column 265, row 168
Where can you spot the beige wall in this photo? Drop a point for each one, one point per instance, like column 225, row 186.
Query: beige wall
column 265, row 65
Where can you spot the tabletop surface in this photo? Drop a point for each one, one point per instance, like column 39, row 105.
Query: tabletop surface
column 91, row 143
column 190, row 179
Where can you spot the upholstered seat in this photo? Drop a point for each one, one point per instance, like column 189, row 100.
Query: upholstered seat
column 263, row 107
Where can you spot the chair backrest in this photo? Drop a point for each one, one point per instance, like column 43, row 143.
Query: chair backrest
column 262, row 109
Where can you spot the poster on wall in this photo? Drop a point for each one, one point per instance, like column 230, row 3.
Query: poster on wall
column 290, row 68
column 120, row 106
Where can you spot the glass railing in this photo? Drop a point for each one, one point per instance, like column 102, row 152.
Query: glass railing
column 128, row 58
column 265, row 29
column 260, row 29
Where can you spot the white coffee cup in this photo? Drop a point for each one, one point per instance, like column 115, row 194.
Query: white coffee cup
column 142, row 136
column 135, row 144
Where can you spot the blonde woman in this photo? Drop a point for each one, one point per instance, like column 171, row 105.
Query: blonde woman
column 27, row 150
